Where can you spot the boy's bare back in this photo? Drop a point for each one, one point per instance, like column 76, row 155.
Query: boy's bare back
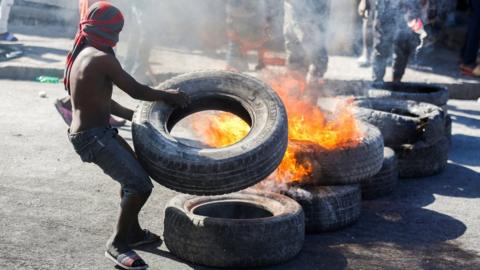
column 91, row 82
column 91, row 90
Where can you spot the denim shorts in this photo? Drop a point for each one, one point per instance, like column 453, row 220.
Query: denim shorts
column 101, row 147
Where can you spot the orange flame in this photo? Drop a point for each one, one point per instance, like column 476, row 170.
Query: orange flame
column 308, row 126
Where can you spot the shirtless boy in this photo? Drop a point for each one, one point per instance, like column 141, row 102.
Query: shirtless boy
column 91, row 71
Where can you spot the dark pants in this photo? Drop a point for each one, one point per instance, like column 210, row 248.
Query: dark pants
column 470, row 48
column 391, row 34
column 305, row 30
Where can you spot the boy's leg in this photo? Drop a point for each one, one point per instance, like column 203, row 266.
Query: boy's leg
column 103, row 147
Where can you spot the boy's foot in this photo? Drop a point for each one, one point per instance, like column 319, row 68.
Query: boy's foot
column 125, row 257
column 145, row 237
column 8, row 37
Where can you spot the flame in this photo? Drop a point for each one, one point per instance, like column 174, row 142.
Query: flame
column 220, row 129
column 309, row 128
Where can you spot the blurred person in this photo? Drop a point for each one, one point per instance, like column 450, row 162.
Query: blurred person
column 469, row 53
column 90, row 73
column 305, row 31
column 5, row 7
column 248, row 24
column 365, row 11
column 64, row 105
column 139, row 41
column 398, row 25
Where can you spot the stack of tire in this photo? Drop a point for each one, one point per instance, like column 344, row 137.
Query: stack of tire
column 413, row 120
column 245, row 229
column 332, row 200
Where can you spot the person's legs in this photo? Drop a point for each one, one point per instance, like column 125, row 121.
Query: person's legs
column 471, row 46
column 384, row 29
column 295, row 52
column 404, row 44
column 127, row 229
column 103, row 147
column 364, row 59
column 317, row 48
column 5, row 7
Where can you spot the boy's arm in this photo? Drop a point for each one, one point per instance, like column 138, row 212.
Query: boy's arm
column 120, row 111
column 129, row 85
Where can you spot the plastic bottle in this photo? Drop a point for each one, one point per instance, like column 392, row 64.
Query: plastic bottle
column 48, row 79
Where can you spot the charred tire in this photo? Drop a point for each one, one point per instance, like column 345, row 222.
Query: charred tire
column 385, row 181
column 402, row 121
column 421, row 159
column 328, row 208
column 226, row 242
column 352, row 164
column 420, row 92
column 219, row 170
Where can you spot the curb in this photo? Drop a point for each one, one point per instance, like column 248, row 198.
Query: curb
column 466, row 91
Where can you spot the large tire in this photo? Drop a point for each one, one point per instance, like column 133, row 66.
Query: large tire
column 385, row 181
column 402, row 121
column 421, row 159
column 217, row 170
column 420, row 92
column 352, row 164
column 328, row 208
column 229, row 240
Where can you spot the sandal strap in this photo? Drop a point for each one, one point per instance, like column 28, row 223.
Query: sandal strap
column 128, row 258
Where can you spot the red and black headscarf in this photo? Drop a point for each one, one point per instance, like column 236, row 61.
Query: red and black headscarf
column 100, row 29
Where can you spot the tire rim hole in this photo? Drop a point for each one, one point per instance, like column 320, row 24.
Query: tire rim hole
column 232, row 210
column 211, row 129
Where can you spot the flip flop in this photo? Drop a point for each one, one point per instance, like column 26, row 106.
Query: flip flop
column 149, row 238
column 64, row 112
column 127, row 260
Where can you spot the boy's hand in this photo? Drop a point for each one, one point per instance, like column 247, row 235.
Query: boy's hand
column 176, row 97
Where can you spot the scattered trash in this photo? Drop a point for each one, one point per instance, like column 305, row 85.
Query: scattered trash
column 9, row 52
column 48, row 79
column 42, row 94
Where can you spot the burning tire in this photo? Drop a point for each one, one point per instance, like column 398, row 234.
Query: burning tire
column 421, row 159
column 351, row 165
column 402, row 121
column 385, row 181
column 328, row 208
column 219, row 170
column 245, row 229
column 420, row 92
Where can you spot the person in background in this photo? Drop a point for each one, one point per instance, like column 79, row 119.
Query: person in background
column 64, row 105
column 397, row 24
column 248, row 23
column 469, row 53
column 305, row 31
column 5, row 7
column 365, row 11
column 139, row 41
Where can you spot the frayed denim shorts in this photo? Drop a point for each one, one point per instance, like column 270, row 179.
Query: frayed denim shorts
column 101, row 147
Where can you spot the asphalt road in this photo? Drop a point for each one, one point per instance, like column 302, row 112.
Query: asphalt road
column 57, row 213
